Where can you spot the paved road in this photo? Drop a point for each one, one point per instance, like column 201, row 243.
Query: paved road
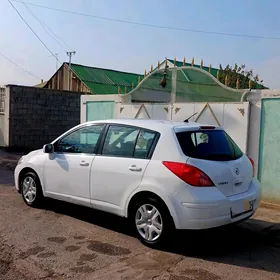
column 62, row 241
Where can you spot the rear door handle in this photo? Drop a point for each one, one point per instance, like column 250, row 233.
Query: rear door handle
column 135, row 168
column 83, row 163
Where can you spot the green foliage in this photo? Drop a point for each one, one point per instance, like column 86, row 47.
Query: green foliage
column 239, row 72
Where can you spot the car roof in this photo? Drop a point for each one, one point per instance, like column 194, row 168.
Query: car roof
column 157, row 125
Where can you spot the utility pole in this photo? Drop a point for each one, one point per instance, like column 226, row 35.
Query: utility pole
column 69, row 67
column 56, row 60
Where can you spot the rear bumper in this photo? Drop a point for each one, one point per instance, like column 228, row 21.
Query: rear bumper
column 209, row 214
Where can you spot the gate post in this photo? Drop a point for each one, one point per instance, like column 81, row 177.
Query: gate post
column 173, row 91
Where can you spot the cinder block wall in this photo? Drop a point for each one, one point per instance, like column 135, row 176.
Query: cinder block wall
column 37, row 116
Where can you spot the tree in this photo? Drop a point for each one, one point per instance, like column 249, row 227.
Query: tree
column 229, row 76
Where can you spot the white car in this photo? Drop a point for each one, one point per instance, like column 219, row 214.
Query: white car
column 161, row 175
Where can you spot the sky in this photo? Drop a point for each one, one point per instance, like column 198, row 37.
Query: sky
column 133, row 48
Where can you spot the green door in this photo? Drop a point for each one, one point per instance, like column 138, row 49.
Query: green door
column 269, row 149
column 100, row 110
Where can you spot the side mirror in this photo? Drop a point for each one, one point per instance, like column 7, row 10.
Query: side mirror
column 48, row 148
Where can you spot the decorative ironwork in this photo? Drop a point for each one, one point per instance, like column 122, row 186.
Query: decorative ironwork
column 177, row 109
column 207, row 105
column 139, row 111
column 242, row 111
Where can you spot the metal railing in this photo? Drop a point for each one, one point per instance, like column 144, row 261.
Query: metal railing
column 2, row 100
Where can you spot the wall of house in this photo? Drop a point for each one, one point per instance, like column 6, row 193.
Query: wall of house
column 36, row 116
column 60, row 81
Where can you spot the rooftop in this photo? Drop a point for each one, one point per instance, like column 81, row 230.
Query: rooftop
column 214, row 71
column 105, row 81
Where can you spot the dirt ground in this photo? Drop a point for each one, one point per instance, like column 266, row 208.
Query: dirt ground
column 63, row 241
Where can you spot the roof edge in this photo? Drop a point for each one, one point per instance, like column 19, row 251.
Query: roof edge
column 107, row 69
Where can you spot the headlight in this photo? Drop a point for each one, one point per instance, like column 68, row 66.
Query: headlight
column 20, row 161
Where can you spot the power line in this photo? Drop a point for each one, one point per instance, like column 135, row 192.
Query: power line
column 151, row 25
column 33, row 31
column 19, row 66
column 45, row 26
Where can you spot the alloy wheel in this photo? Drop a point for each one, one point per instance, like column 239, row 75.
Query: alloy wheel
column 148, row 222
column 29, row 189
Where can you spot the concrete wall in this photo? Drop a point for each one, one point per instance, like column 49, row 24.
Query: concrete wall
column 2, row 143
column 254, row 133
column 36, row 116
column 254, row 98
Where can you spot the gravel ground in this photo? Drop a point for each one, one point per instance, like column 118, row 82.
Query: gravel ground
column 63, row 241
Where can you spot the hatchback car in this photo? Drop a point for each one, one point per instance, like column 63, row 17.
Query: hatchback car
column 161, row 175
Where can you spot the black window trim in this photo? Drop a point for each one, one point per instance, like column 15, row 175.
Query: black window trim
column 78, row 128
column 105, row 132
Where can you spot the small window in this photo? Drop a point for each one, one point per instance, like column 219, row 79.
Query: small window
column 120, row 141
column 144, row 143
column 209, row 145
column 83, row 140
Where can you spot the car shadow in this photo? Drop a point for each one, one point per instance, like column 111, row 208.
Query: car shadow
column 251, row 244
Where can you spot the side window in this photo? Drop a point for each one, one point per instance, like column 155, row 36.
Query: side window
column 120, row 141
column 82, row 140
column 144, row 143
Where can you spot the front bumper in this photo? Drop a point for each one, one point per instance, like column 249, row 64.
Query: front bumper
column 210, row 214
column 16, row 177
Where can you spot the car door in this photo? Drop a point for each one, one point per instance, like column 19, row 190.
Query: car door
column 67, row 170
column 119, row 167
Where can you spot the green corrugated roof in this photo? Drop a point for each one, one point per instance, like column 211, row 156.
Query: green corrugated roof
column 192, row 85
column 105, row 81
column 214, row 71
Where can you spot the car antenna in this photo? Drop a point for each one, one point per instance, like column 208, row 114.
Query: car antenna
column 187, row 120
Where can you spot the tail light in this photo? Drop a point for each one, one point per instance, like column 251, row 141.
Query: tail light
column 253, row 165
column 189, row 174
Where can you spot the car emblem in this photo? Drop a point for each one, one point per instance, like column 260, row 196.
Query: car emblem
column 237, row 171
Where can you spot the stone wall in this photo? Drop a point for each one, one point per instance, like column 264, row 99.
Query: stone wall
column 37, row 116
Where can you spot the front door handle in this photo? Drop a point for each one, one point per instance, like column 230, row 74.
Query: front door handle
column 135, row 168
column 83, row 163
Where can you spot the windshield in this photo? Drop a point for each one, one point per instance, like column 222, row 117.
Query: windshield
column 209, row 145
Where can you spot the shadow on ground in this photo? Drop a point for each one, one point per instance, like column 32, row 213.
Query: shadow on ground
column 252, row 244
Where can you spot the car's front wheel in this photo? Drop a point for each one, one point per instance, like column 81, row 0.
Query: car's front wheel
column 152, row 221
column 31, row 189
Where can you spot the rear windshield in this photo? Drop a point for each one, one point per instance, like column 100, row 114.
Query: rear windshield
column 209, row 144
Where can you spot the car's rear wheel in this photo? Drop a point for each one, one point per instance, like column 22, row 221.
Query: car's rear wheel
column 152, row 221
column 31, row 189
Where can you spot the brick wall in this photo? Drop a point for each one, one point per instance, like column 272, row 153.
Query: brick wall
column 37, row 116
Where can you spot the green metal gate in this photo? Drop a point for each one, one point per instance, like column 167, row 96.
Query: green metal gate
column 100, row 110
column 269, row 149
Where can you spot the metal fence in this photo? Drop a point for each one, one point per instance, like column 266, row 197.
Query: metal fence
column 2, row 99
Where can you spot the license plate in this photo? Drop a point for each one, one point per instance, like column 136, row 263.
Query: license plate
column 248, row 205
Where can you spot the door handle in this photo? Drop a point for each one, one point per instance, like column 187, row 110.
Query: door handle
column 83, row 163
column 135, row 168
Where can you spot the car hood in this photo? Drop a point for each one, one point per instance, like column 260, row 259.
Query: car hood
column 33, row 153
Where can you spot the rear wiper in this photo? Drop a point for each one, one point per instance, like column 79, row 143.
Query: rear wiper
column 187, row 120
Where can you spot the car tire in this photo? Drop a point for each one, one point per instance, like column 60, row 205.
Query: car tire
column 152, row 221
column 31, row 189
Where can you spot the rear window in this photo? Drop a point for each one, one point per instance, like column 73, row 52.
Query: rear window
column 208, row 144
